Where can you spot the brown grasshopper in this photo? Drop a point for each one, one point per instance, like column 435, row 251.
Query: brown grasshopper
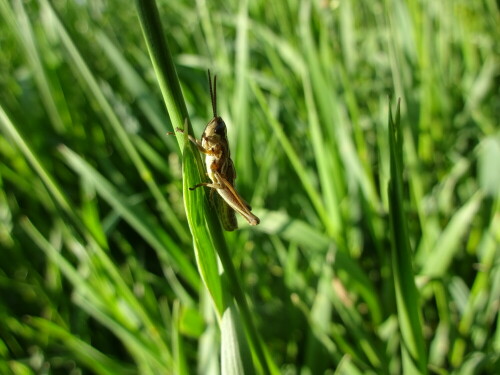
column 220, row 168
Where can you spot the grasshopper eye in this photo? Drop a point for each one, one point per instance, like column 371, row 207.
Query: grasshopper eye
column 220, row 128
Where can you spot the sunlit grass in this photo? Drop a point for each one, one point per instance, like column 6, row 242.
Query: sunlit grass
column 379, row 227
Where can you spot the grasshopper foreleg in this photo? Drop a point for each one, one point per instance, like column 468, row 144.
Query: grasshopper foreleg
column 207, row 184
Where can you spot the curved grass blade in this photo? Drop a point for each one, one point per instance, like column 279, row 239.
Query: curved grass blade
column 205, row 251
column 172, row 95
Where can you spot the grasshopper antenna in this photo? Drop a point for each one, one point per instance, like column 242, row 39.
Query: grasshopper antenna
column 213, row 92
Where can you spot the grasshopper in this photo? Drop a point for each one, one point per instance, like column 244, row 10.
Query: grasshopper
column 220, row 168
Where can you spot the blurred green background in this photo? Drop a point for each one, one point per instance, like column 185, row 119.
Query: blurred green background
column 97, row 268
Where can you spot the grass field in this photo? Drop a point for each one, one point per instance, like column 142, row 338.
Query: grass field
column 379, row 242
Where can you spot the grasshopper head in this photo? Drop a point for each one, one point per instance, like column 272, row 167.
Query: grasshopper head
column 216, row 129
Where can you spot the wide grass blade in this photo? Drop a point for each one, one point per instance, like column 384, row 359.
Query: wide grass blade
column 205, row 228
column 197, row 206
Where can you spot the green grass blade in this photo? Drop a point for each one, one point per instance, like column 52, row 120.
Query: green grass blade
column 209, row 240
column 22, row 27
column 317, row 243
column 97, row 298
column 235, row 354
column 90, row 84
column 178, row 346
column 294, row 158
column 167, row 249
column 196, row 208
column 163, row 64
column 12, row 132
column 195, row 202
column 407, row 297
column 241, row 117
column 82, row 351
column 172, row 95
column 137, row 87
column 448, row 244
